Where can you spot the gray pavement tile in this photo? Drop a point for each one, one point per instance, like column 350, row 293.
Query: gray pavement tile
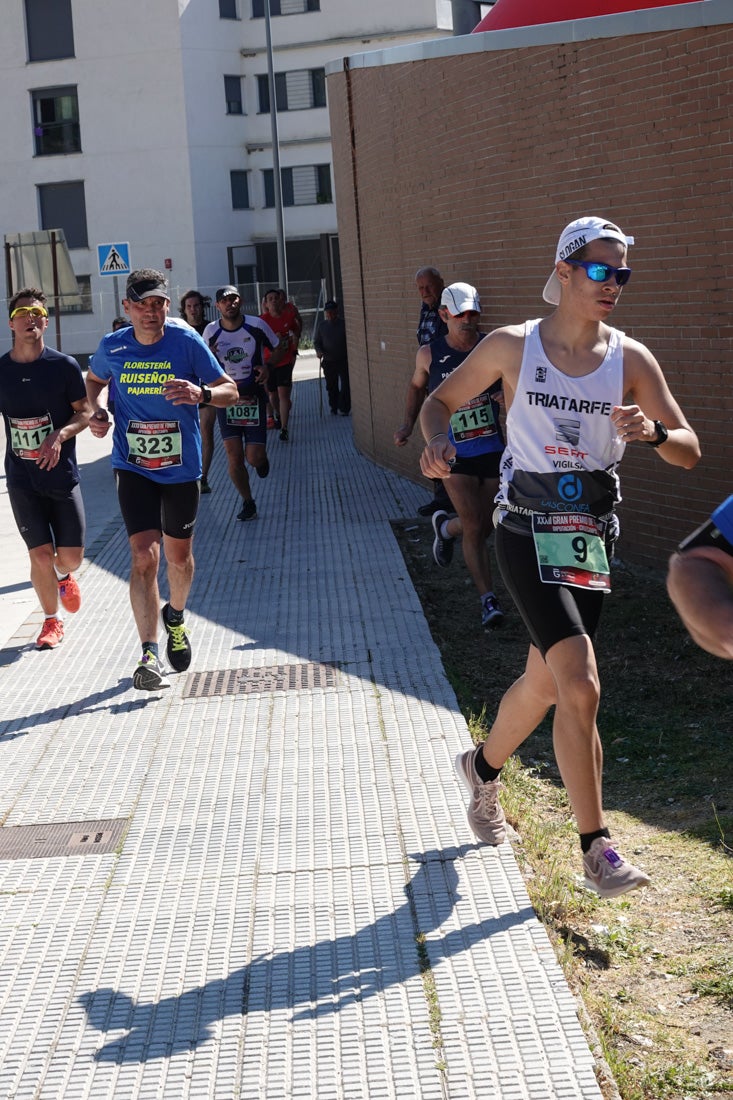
column 293, row 859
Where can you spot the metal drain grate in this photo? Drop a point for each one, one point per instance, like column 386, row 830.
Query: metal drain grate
column 239, row 681
column 61, row 838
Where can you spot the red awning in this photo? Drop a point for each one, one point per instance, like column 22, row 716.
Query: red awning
column 528, row 13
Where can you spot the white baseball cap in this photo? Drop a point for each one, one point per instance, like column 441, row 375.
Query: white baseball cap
column 574, row 236
column 458, row 297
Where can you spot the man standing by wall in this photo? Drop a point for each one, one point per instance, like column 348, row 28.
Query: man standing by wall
column 330, row 345
column 430, row 285
column 44, row 403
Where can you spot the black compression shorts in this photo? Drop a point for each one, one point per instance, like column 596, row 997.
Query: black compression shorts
column 56, row 516
column 280, row 376
column 148, row 505
column 551, row 612
column 485, row 467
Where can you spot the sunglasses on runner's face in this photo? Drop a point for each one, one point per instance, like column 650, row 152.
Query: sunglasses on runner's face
column 603, row 273
column 29, row 311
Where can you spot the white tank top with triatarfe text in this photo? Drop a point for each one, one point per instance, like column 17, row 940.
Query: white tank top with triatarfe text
column 560, row 435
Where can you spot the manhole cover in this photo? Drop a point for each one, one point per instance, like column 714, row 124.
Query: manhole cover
column 238, row 681
column 61, row 838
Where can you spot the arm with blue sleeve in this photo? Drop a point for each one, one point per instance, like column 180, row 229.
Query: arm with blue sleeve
column 700, row 582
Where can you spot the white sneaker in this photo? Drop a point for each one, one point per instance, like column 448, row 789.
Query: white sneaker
column 607, row 873
column 485, row 815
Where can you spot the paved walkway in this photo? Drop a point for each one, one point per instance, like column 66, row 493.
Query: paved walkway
column 263, row 883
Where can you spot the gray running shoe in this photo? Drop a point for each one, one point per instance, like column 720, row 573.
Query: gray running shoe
column 148, row 676
column 485, row 815
column 249, row 510
column 607, row 873
column 442, row 547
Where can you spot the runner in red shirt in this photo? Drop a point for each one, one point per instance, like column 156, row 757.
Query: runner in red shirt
column 284, row 319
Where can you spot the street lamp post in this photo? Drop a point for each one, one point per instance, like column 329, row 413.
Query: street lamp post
column 282, row 268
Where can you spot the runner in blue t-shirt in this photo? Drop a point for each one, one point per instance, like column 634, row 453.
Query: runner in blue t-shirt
column 161, row 372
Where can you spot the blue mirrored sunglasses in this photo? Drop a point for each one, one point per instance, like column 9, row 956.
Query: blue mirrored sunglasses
column 603, row 273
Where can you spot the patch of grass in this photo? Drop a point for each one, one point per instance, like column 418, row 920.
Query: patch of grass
column 717, row 830
column 431, row 996
column 670, row 1082
column 647, row 1062
column 716, row 981
column 724, row 897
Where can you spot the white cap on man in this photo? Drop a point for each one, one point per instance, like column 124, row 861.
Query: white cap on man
column 459, row 297
column 574, row 236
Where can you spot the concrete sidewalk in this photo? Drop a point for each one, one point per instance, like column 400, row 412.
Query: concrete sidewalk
column 261, row 883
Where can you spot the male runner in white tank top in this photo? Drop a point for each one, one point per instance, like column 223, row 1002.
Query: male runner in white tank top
column 577, row 392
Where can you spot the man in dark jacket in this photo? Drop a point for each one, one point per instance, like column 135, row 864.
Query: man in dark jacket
column 330, row 345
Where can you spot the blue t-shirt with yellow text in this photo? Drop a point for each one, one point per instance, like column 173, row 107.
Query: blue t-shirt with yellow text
column 152, row 436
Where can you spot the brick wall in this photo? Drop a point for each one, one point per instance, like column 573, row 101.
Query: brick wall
column 474, row 163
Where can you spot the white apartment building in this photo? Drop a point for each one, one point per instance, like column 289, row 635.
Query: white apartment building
column 147, row 124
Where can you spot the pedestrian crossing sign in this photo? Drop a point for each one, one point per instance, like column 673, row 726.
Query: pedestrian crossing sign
column 114, row 259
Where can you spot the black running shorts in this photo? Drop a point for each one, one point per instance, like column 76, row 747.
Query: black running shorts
column 148, row 505
column 551, row 612
column 55, row 516
column 280, row 376
column 485, row 467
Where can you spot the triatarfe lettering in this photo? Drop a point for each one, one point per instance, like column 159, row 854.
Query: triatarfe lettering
column 569, row 404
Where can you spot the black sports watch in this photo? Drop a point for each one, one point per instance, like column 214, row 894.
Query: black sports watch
column 205, row 394
column 661, row 436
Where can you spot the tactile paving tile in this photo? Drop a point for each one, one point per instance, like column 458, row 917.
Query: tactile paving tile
column 293, row 857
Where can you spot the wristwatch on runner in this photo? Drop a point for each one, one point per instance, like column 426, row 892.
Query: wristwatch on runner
column 661, row 436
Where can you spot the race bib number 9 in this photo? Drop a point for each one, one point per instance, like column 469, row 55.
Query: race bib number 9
column 244, row 414
column 474, row 420
column 27, row 433
column 571, row 550
column 154, row 444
